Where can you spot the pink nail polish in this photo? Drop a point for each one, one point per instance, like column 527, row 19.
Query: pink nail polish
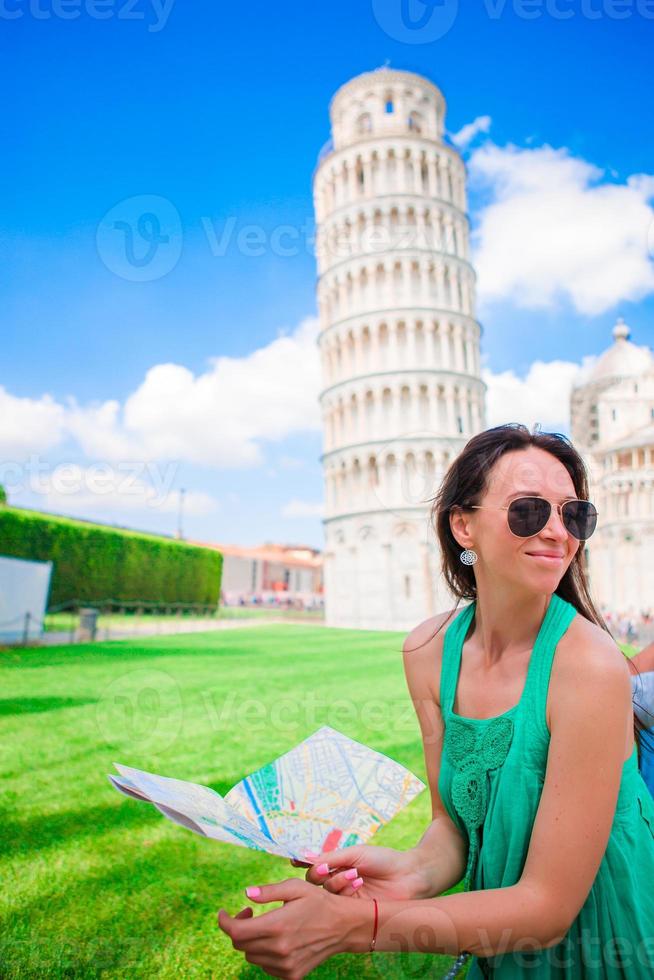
column 351, row 873
column 357, row 882
column 323, row 869
column 253, row 891
column 311, row 854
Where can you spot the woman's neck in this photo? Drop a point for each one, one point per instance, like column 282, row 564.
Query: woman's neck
column 507, row 624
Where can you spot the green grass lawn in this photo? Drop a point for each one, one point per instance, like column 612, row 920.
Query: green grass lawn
column 94, row 884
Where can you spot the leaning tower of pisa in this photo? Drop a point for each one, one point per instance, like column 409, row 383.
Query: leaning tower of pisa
column 399, row 344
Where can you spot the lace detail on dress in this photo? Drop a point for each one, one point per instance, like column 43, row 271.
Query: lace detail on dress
column 472, row 753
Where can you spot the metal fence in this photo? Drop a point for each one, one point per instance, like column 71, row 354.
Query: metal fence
column 76, row 621
column 113, row 619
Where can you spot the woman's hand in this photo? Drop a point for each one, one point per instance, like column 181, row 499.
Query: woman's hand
column 374, row 872
column 290, row 941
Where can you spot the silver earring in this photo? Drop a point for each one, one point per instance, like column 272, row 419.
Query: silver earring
column 468, row 557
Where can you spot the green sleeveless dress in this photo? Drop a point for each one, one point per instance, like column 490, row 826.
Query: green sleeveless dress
column 491, row 778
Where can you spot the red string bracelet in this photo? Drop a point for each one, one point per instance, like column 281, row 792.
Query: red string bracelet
column 374, row 931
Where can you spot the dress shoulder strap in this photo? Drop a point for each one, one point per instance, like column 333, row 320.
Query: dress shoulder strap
column 559, row 616
column 453, row 638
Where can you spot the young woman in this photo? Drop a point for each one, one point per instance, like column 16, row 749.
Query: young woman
column 524, row 704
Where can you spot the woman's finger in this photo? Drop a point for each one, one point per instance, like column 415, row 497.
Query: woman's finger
column 319, row 873
column 344, row 882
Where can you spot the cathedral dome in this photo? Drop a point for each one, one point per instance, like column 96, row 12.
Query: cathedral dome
column 623, row 358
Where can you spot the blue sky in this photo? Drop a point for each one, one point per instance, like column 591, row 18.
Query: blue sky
column 221, row 112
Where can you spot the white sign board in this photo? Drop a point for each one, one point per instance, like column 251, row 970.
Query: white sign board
column 24, row 588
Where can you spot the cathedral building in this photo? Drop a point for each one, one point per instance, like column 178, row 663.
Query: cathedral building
column 399, row 344
column 612, row 424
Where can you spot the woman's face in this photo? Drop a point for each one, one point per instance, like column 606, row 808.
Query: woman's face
column 528, row 472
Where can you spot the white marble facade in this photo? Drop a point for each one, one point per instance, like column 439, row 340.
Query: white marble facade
column 612, row 423
column 399, row 343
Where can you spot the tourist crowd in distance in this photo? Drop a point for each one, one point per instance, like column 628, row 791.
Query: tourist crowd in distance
column 632, row 627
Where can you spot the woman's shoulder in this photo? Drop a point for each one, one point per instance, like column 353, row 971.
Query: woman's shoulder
column 587, row 659
column 427, row 628
column 587, row 647
column 423, row 649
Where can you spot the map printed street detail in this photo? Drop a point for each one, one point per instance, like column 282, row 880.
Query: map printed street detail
column 328, row 792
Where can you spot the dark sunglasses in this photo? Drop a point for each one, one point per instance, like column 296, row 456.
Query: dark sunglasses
column 529, row 515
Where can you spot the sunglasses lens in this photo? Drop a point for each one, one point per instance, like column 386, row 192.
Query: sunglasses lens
column 580, row 518
column 528, row 515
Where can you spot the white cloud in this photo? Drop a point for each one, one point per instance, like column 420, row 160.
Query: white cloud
column 28, row 425
column 543, row 395
column 218, row 418
column 303, row 508
column 554, row 230
column 467, row 133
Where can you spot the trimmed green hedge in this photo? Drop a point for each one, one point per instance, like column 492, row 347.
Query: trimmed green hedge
column 92, row 562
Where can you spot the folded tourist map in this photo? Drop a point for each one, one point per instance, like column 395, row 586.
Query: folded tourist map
column 327, row 792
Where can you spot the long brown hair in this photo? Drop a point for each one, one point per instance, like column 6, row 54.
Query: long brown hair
column 464, row 484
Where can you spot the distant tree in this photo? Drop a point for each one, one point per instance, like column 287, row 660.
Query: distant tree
column 3, row 495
